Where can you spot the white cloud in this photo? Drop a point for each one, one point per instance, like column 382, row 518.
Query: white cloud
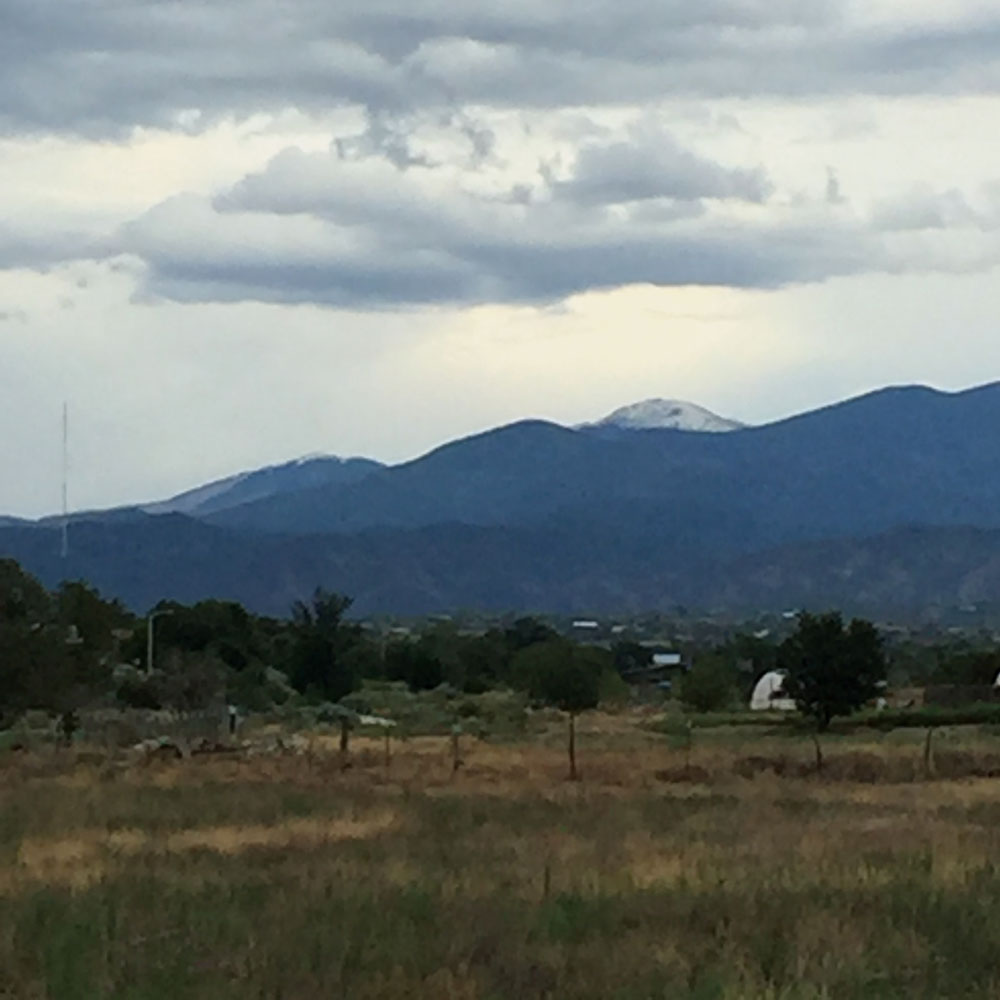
column 927, row 210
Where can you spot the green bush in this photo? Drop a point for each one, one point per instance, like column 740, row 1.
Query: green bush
column 710, row 685
column 982, row 713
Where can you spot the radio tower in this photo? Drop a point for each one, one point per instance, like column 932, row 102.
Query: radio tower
column 65, row 481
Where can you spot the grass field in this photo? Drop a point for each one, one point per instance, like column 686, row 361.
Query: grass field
column 727, row 870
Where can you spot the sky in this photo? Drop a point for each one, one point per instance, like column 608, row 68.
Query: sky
column 232, row 234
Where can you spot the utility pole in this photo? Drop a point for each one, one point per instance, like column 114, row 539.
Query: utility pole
column 150, row 618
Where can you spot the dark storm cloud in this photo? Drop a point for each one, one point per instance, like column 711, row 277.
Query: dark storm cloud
column 102, row 66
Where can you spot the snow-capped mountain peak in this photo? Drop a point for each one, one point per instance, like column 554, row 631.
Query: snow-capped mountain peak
column 668, row 413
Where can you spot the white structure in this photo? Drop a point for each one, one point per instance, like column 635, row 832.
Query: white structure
column 996, row 683
column 375, row 720
column 666, row 659
column 769, row 694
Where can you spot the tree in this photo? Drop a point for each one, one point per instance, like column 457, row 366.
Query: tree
column 565, row 676
column 22, row 597
column 318, row 662
column 968, row 667
column 485, row 661
column 631, row 657
column 526, row 632
column 325, row 612
column 81, row 607
column 708, row 686
column 49, row 657
column 415, row 663
column 347, row 719
column 832, row 670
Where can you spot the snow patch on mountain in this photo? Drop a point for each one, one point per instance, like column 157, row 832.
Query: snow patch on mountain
column 675, row 414
column 247, row 487
column 192, row 500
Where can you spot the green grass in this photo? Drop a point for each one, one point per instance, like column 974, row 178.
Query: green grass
column 978, row 713
column 290, row 878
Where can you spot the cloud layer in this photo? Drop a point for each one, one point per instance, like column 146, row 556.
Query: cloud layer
column 101, row 67
column 485, row 172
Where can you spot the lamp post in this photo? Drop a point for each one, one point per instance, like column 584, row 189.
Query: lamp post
column 150, row 618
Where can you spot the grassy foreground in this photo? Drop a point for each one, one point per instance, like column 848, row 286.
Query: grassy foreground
column 656, row 876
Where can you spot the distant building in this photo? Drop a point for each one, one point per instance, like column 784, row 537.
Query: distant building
column 769, row 694
column 666, row 659
column 657, row 671
column 586, row 624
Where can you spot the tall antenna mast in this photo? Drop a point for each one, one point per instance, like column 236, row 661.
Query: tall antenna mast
column 65, row 481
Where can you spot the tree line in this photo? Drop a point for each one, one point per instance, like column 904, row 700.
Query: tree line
column 71, row 648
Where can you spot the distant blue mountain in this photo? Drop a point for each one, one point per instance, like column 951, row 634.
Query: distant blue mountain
column 904, row 573
column 325, row 471
column 893, row 496
column 895, row 457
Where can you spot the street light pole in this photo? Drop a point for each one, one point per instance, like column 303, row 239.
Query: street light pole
column 150, row 618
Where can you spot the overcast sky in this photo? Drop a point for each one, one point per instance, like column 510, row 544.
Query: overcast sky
column 235, row 233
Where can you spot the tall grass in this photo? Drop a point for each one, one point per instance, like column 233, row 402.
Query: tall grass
column 292, row 878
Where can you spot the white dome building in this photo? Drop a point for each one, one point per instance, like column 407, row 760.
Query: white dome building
column 769, row 694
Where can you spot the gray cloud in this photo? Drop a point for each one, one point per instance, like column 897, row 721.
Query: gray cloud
column 656, row 166
column 369, row 233
column 42, row 245
column 100, row 67
column 374, row 223
column 394, row 216
column 927, row 210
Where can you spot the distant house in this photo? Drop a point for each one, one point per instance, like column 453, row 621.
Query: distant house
column 586, row 624
column 666, row 659
column 769, row 694
column 657, row 671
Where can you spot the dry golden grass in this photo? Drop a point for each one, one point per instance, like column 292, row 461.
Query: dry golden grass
column 662, row 873
column 91, row 854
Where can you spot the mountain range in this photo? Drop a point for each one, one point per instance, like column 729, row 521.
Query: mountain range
column 886, row 502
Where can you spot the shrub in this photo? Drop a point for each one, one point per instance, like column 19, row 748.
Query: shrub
column 709, row 685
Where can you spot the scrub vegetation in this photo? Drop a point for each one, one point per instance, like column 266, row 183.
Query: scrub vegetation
column 723, row 869
column 310, row 807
